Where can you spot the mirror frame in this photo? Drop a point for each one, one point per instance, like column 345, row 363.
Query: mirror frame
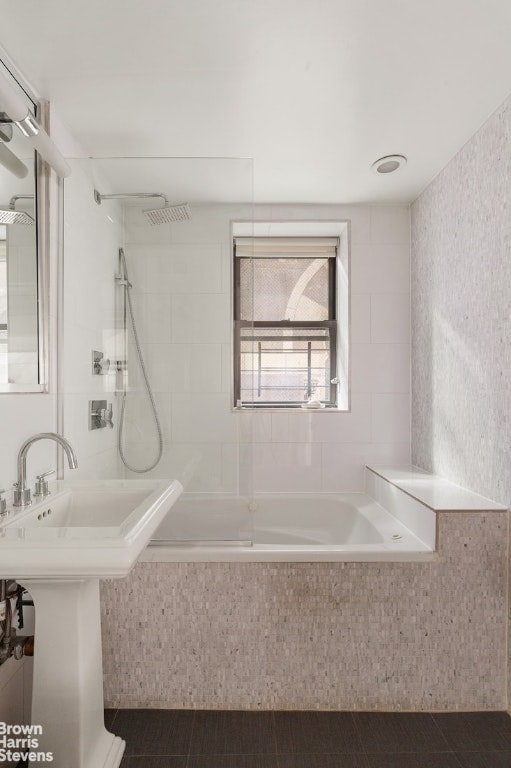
column 42, row 210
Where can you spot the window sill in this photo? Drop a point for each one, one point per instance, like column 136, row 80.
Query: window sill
column 247, row 408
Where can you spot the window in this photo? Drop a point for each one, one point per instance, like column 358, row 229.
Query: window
column 285, row 321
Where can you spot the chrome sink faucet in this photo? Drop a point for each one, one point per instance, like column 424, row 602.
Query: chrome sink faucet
column 22, row 493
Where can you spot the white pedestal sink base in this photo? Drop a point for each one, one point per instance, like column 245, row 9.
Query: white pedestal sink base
column 58, row 548
column 67, row 698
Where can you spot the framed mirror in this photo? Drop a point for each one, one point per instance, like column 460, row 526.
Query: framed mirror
column 20, row 358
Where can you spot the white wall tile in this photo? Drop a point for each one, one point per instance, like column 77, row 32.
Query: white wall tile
column 145, row 266
column 361, row 368
column 79, row 342
column 352, row 426
column 203, row 418
column 390, row 318
column 139, row 232
column 139, row 301
column 343, row 467
column 226, row 265
column 254, row 426
column 91, row 298
column 296, row 427
column 246, row 469
column 380, row 268
column 164, row 405
column 159, row 366
column 390, row 418
column 157, row 317
column 380, row 368
column 333, row 427
column 227, row 368
column 359, row 217
column 196, row 268
column 230, row 467
column 139, row 423
column 286, row 467
column 198, row 467
column 195, row 368
column 87, row 443
column 361, row 318
column 107, row 463
column 201, row 318
column 390, row 224
column 158, row 269
column 21, row 417
column 210, row 224
column 388, row 453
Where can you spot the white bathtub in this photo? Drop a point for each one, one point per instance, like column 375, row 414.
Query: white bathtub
column 305, row 527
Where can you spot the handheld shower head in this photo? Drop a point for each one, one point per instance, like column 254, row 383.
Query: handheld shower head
column 168, row 214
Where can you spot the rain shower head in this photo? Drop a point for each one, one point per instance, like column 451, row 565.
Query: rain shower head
column 15, row 217
column 12, row 216
column 169, row 213
column 164, row 215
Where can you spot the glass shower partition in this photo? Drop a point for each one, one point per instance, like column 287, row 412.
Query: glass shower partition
column 177, row 279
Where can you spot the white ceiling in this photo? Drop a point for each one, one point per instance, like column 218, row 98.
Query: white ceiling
column 313, row 90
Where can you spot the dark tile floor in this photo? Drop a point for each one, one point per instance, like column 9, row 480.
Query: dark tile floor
column 158, row 738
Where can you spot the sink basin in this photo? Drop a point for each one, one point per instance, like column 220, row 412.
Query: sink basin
column 85, row 532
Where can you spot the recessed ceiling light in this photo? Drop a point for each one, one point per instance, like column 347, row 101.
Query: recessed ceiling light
column 389, row 164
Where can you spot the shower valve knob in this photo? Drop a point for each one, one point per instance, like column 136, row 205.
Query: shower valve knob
column 106, row 415
column 100, row 414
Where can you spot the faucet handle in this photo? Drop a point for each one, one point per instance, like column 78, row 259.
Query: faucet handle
column 21, row 496
column 45, row 474
column 41, row 486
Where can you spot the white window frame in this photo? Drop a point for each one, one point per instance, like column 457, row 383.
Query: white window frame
column 338, row 229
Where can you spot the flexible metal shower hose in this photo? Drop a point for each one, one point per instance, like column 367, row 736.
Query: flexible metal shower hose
column 127, row 288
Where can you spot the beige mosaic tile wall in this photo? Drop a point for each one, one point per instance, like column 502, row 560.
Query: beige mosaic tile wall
column 390, row 636
column 461, row 329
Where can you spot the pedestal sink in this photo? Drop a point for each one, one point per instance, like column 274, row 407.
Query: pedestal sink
column 58, row 549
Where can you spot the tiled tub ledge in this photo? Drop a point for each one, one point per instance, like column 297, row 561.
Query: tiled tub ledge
column 433, row 491
column 416, row 498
